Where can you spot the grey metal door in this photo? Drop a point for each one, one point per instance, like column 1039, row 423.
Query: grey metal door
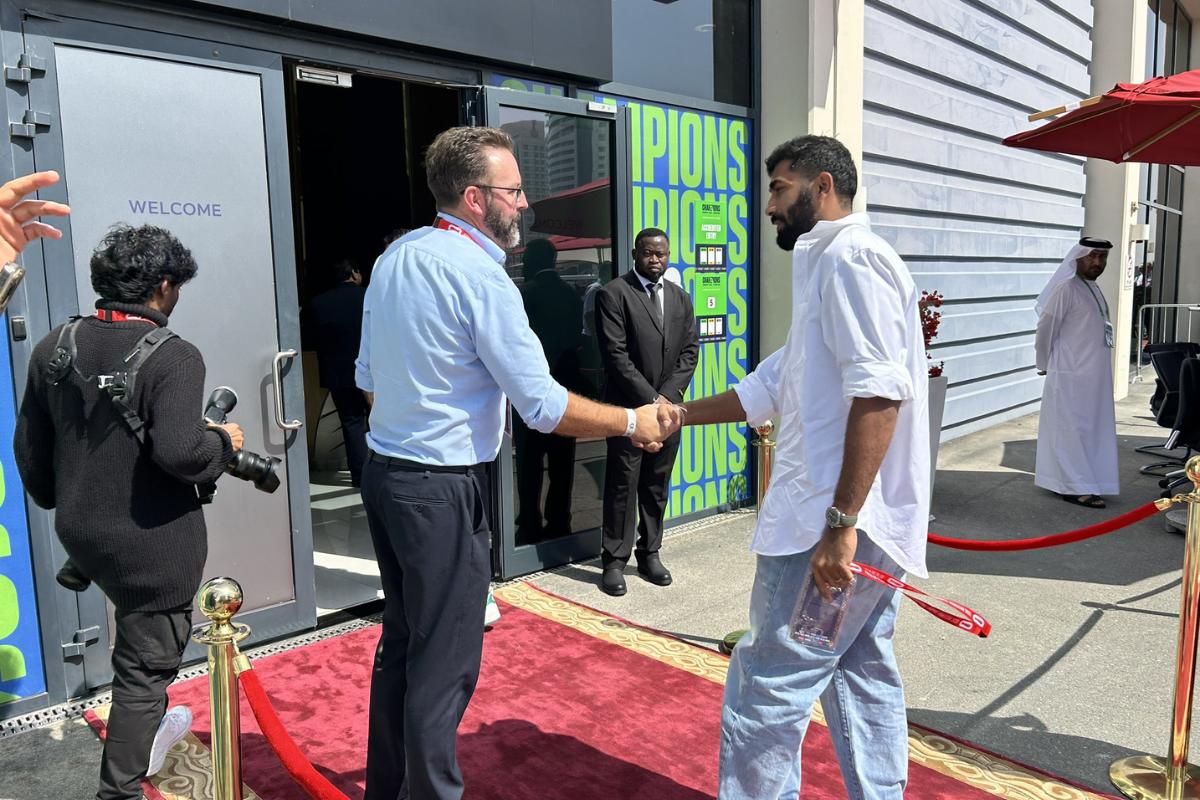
column 189, row 135
column 572, row 156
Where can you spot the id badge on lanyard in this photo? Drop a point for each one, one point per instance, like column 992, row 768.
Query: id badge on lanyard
column 1109, row 337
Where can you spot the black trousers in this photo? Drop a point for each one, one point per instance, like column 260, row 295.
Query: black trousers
column 146, row 657
column 352, row 410
column 635, row 498
column 432, row 536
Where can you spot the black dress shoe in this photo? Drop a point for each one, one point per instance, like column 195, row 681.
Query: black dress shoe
column 651, row 568
column 613, row 581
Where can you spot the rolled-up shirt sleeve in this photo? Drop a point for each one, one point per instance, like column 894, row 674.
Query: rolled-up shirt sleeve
column 362, row 364
column 513, row 355
column 863, row 308
column 759, row 391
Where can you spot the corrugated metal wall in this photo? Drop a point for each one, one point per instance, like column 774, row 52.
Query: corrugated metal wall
column 945, row 81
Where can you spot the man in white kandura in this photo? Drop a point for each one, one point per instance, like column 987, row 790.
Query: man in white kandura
column 1077, row 432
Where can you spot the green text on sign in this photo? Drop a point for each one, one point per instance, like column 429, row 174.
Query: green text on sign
column 710, row 296
column 710, row 222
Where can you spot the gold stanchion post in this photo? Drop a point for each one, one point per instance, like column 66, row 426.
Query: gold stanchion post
column 219, row 599
column 1149, row 777
column 766, row 459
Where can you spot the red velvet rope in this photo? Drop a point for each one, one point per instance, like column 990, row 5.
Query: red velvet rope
column 1099, row 529
column 300, row 768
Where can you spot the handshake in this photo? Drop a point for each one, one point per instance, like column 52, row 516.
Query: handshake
column 655, row 422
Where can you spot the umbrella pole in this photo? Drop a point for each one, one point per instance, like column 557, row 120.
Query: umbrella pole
column 1054, row 112
column 1156, row 138
column 1039, row 131
column 1172, row 778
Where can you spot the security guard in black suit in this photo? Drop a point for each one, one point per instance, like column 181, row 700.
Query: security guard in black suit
column 648, row 343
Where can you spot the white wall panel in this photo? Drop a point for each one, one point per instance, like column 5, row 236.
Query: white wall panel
column 944, row 82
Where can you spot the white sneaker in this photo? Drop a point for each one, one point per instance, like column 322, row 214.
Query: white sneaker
column 174, row 726
column 491, row 614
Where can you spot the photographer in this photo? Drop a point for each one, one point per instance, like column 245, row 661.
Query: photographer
column 110, row 435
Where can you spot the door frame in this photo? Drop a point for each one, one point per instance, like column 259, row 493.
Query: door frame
column 511, row 561
column 41, row 35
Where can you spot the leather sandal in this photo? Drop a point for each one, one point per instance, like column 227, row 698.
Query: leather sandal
column 1085, row 500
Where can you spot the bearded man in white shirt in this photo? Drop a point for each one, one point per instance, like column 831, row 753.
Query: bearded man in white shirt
column 850, row 483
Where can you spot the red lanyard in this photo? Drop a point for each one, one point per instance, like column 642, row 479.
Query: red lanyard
column 110, row 315
column 443, row 224
column 966, row 619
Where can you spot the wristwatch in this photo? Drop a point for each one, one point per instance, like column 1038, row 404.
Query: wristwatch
column 836, row 519
column 10, row 278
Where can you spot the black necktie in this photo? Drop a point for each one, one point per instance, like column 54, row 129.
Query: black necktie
column 655, row 288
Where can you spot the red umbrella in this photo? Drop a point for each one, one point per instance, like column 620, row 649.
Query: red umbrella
column 1156, row 122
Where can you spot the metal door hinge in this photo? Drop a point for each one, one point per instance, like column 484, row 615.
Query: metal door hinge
column 30, row 120
column 26, row 65
column 82, row 638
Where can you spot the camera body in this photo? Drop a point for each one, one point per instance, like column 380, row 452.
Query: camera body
column 245, row 465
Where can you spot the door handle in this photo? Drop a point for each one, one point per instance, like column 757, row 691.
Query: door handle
column 277, row 378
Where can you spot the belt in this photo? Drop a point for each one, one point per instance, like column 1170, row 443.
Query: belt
column 406, row 465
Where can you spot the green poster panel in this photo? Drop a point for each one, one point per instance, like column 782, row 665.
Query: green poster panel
column 710, row 295
column 710, row 222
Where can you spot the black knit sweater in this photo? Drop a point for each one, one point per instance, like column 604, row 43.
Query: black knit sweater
column 127, row 513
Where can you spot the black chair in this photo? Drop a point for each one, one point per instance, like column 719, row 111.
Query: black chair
column 1189, row 349
column 1186, row 428
column 1167, row 366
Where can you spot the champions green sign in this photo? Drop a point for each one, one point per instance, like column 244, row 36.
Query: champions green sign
column 21, row 672
column 691, row 176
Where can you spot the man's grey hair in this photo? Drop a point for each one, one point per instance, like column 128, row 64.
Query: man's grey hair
column 458, row 159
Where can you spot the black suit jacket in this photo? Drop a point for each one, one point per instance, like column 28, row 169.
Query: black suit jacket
column 640, row 363
column 334, row 330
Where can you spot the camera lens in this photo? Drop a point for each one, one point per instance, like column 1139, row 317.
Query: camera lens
column 260, row 470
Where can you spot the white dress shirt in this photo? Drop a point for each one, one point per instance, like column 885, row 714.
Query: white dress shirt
column 856, row 332
column 646, row 286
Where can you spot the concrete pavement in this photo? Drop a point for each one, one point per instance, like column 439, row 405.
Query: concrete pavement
column 1078, row 670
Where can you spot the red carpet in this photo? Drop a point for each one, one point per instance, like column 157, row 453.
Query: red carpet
column 571, row 705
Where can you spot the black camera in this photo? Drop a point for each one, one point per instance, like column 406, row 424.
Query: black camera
column 245, row 465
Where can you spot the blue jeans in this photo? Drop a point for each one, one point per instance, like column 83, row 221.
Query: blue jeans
column 774, row 680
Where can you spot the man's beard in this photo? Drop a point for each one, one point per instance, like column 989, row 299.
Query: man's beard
column 798, row 220
column 507, row 234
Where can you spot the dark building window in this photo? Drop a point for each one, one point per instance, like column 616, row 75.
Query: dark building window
column 697, row 48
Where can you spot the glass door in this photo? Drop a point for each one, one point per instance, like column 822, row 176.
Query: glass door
column 551, row 487
column 188, row 135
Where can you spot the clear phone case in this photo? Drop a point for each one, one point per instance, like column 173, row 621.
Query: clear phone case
column 815, row 622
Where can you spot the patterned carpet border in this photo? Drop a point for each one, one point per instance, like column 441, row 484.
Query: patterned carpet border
column 186, row 773
column 980, row 769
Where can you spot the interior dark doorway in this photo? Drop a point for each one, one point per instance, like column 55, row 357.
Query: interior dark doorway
column 358, row 182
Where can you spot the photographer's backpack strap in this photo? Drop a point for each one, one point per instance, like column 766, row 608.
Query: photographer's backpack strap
column 120, row 386
column 62, row 362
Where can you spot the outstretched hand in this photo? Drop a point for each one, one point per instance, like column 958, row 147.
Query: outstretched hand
column 655, row 422
column 18, row 217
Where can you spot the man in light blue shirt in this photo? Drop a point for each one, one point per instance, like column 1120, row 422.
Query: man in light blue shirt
column 445, row 341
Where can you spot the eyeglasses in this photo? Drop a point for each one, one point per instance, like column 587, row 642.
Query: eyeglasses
column 517, row 191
